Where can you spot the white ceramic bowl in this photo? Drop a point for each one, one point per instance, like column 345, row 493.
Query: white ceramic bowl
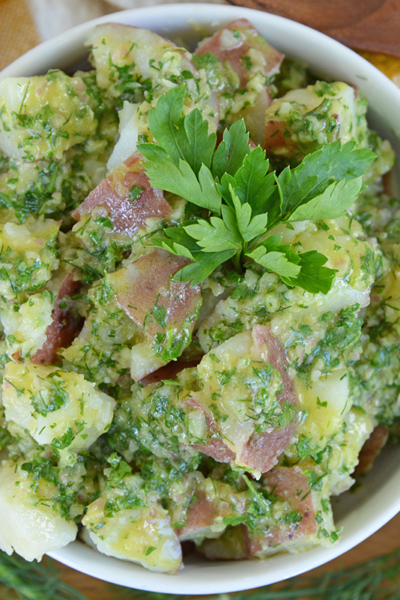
column 360, row 513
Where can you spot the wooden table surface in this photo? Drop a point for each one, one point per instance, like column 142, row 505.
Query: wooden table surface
column 18, row 35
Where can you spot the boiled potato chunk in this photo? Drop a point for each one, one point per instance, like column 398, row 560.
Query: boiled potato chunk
column 43, row 116
column 346, row 449
column 144, row 361
column 56, row 407
column 102, row 350
column 142, row 535
column 138, row 65
column 26, row 329
column 231, row 392
column 28, row 524
column 326, row 404
column 304, row 120
column 28, row 255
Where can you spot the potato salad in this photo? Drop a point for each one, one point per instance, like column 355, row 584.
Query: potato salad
column 199, row 300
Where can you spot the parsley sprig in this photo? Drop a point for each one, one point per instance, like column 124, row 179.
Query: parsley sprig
column 243, row 201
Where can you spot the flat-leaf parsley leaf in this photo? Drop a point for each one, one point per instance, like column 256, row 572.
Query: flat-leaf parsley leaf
column 243, row 201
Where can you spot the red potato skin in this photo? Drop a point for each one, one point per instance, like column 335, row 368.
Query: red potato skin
column 200, row 515
column 113, row 194
column 285, row 483
column 371, row 449
column 147, row 283
column 169, row 371
column 64, row 327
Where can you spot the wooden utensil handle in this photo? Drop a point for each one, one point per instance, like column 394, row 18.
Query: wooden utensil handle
column 372, row 25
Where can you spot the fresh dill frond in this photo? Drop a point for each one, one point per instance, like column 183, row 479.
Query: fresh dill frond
column 376, row 579
column 24, row 580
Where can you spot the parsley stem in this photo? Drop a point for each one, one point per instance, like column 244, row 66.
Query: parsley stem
column 237, row 261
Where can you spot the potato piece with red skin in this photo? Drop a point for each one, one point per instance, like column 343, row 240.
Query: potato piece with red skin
column 163, row 309
column 203, row 506
column 263, row 449
column 169, row 371
column 238, row 62
column 222, row 407
column 231, row 45
column 291, row 486
column 215, row 447
column 147, row 283
column 126, row 197
column 240, row 443
column 199, row 518
column 65, row 325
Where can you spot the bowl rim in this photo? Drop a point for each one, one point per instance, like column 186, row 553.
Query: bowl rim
column 224, row 577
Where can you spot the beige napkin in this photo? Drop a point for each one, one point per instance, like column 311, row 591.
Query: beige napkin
column 54, row 16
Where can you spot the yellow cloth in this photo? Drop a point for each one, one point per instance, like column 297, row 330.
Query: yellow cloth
column 17, row 31
column 387, row 64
